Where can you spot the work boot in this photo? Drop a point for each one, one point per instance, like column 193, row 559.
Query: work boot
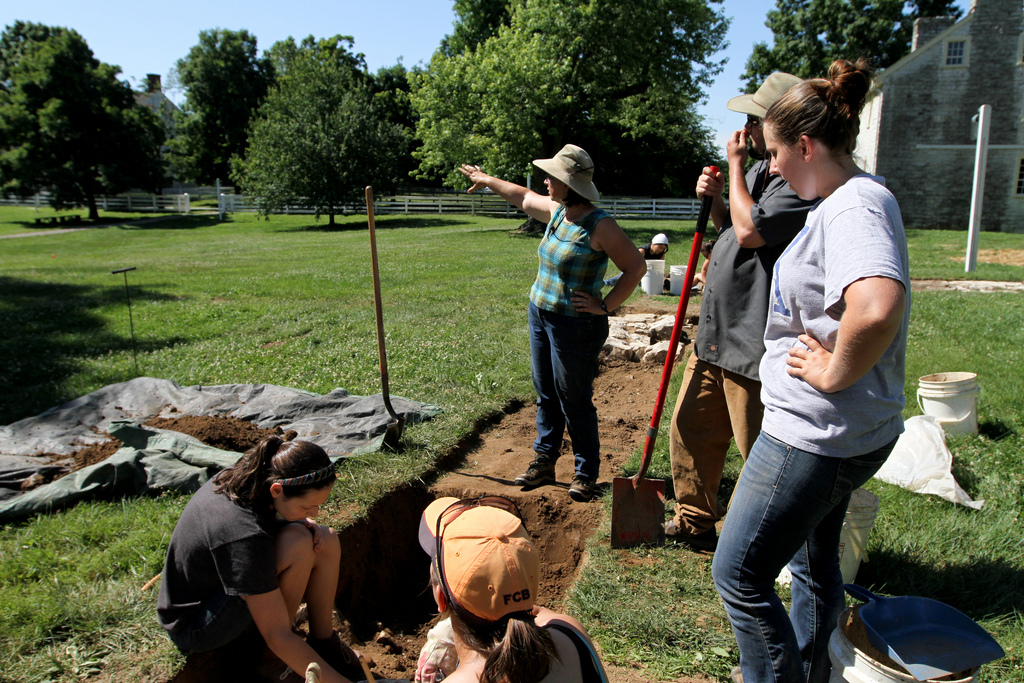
column 705, row 541
column 338, row 655
column 541, row 471
column 582, row 489
column 736, row 675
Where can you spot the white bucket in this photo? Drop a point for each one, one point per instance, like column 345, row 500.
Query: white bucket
column 853, row 542
column 850, row 664
column 654, row 281
column 676, row 278
column 952, row 399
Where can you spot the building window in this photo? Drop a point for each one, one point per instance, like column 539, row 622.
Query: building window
column 1020, row 177
column 956, row 53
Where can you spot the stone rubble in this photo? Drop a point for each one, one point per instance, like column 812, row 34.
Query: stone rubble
column 643, row 338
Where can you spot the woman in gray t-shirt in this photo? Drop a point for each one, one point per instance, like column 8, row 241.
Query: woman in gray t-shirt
column 832, row 384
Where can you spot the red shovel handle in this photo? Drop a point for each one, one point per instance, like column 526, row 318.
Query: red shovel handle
column 684, row 299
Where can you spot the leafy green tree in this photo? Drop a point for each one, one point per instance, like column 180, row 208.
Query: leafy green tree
column 619, row 78
column 224, row 82
column 320, row 137
column 810, row 34
column 67, row 124
column 476, row 21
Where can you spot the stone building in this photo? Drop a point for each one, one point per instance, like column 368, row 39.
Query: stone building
column 918, row 128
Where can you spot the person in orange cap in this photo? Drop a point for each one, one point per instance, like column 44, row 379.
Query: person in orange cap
column 485, row 575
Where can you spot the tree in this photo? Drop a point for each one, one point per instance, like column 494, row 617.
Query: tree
column 810, row 34
column 476, row 21
column 67, row 124
column 620, row 79
column 320, row 137
column 225, row 82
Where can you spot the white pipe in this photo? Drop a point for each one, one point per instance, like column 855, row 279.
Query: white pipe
column 978, row 192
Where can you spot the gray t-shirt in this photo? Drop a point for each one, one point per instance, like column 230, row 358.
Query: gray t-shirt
column 733, row 312
column 216, row 545
column 855, row 233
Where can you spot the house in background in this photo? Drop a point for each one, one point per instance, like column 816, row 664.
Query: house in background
column 154, row 99
column 917, row 127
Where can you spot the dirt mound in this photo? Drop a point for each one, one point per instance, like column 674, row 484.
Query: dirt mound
column 226, row 433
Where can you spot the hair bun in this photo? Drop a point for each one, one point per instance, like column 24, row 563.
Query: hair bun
column 849, row 83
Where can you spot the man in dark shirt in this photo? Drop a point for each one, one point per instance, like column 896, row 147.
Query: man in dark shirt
column 720, row 396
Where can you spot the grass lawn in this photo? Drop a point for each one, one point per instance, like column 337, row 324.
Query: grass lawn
column 18, row 220
column 289, row 301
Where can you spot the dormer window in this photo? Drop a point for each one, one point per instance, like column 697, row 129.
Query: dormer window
column 956, row 53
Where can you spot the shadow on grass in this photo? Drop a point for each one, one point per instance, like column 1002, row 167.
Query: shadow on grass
column 995, row 429
column 50, row 329
column 353, row 222
column 168, row 223
column 980, row 588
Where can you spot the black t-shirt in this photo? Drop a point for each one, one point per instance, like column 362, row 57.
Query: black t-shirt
column 648, row 256
column 216, row 545
column 734, row 309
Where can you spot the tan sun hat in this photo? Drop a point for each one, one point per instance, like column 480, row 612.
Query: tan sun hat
column 758, row 103
column 574, row 167
column 490, row 565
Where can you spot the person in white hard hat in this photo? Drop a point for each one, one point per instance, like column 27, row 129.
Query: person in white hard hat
column 654, row 250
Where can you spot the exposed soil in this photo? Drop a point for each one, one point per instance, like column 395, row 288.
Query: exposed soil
column 382, row 594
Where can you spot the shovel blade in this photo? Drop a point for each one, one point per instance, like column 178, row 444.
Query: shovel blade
column 393, row 433
column 638, row 512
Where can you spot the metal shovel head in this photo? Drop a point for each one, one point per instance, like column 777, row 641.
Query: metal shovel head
column 638, row 512
column 928, row 638
column 393, row 433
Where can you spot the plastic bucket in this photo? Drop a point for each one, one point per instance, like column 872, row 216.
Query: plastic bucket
column 654, row 281
column 952, row 399
column 676, row 279
column 853, row 542
column 852, row 664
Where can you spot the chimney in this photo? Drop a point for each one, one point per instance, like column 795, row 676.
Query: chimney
column 927, row 28
column 152, row 82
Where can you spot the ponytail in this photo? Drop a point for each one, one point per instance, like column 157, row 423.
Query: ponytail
column 517, row 650
column 298, row 465
column 826, row 109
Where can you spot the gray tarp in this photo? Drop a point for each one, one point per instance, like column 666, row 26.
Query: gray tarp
column 341, row 423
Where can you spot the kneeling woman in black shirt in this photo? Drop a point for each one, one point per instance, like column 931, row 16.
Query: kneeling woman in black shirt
column 246, row 549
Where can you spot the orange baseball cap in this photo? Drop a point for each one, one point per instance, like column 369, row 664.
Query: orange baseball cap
column 490, row 565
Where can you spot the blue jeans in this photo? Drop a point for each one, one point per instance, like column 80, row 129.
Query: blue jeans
column 223, row 619
column 563, row 358
column 788, row 507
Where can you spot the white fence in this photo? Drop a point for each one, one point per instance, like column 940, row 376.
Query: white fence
column 129, row 202
column 473, row 204
column 480, row 205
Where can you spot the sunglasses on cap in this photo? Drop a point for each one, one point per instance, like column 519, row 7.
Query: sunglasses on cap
column 754, row 121
column 450, row 514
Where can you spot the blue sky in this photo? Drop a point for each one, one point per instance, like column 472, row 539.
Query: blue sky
column 142, row 41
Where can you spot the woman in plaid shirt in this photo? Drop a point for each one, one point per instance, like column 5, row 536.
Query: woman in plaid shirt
column 568, row 315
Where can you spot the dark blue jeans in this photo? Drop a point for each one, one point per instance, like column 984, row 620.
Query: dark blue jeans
column 563, row 355
column 788, row 507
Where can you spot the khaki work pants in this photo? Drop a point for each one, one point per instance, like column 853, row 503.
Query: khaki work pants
column 714, row 406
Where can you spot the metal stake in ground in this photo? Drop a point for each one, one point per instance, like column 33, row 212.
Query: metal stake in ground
column 131, row 323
